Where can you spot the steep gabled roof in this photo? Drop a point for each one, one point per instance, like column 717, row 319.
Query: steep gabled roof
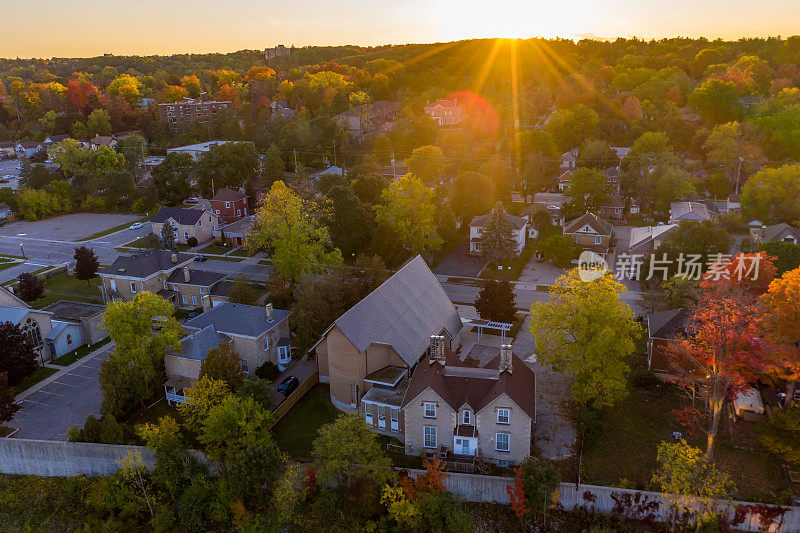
column 228, row 195
column 145, row 264
column 184, row 217
column 779, row 231
column 516, row 222
column 665, row 324
column 601, row 226
column 402, row 313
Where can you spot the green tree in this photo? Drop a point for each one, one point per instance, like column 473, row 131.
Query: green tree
column 408, row 209
column 230, row 165
column 560, row 249
column 570, row 127
column 134, row 149
column 242, row 291
column 586, row 330
column 8, row 405
column 426, row 163
column 86, row 263
column 588, row 191
column 701, row 238
column 36, row 204
column 273, row 166
column 168, row 237
column 496, row 302
column 30, row 287
column 251, row 473
column 292, row 229
column 233, row 425
column 786, row 254
column 724, row 147
column 680, row 291
column 172, row 178
column 773, row 195
column 471, row 194
column 352, row 224
column 597, row 155
column 17, row 357
column 689, row 481
column 126, row 87
column 141, row 329
column 781, row 435
column 205, row 394
column 497, row 240
column 715, row 100
column 346, row 450
column 99, row 123
column 540, row 481
column 222, row 363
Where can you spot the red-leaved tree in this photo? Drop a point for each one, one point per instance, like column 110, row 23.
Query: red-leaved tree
column 724, row 349
column 516, row 494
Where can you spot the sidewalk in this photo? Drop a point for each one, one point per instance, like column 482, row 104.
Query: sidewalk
column 64, row 370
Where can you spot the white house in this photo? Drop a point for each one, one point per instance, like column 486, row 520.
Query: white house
column 519, row 228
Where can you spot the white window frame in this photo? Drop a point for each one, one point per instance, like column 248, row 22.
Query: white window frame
column 395, row 422
column 381, row 420
column 227, row 205
column 185, row 235
column 368, row 416
column 429, row 407
column 69, row 339
column 185, row 299
column 429, row 432
column 507, row 413
column 194, row 300
column 598, row 240
column 284, row 355
column 466, row 417
column 507, row 439
column 133, row 286
column 245, row 365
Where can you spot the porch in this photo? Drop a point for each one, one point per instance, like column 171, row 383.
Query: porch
column 174, row 389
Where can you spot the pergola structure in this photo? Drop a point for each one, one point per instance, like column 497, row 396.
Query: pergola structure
column 482, row 324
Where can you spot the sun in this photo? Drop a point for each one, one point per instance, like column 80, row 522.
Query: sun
column 515, row 18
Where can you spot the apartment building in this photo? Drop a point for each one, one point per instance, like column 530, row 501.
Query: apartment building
column 179, row 115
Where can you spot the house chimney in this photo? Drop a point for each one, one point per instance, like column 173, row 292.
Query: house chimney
column 174, row 257
column 763, row 231
column 506, row 357
column 187, row 276
column 436, row 349
column 270, row 312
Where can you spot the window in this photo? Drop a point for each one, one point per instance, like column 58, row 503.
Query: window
column 395, row 424
column 217, row 211
column 238, row 212
column 227, row 205
column 503, row 416
column 133, row 286
column 598, row 240
column 33, row 333
column 467, row 419
column 430, row 437
column 284, row 355
column 381, row 421
column 186, row 235
column 430, row 410
column 245, row 365
column 368, row 417
column 502, row 442
column 502, row 462
column 194, row 300
column 69, row 339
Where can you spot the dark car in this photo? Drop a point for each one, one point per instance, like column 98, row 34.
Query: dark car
column 288, row 385
column 197, row 311
column 200, row 258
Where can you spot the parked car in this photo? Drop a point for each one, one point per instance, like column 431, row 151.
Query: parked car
column 136, row 225
column 192, row 200
column 288, row 385
column 200, row 258
column 4, row 180
column 197, row 311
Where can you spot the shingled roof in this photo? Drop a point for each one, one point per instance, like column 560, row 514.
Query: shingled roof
column 665, row 324
column 184, row 217
column 145, row 264
column 228, row 195
column 599, row 225
column 516, row 222
column 238, row 319
column 457, row 383
column 402, row 313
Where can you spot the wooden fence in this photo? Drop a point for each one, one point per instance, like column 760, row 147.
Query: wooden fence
column 294, row 397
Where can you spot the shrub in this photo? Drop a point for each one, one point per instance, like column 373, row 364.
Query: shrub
column 192, row 242
column 268, row 370
column 94, row 203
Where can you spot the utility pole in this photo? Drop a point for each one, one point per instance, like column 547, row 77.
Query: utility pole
column 738, row 172
column 394, row 169
column 334, row 152
column 294, row 151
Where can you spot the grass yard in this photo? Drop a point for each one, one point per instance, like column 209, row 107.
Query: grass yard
column 241, row 252
column 215, row 249
column 150, row 242
column 83, row 351
column 510, row 274
column 296, row 431
column 41, row 373
column 6, row 262
column 62, row 286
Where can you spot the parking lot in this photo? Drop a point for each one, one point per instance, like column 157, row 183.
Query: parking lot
column 47, row 413
column 67, row 227
column 8, row 169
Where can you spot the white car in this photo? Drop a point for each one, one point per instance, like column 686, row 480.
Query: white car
column 192, row 200
column 136, row 225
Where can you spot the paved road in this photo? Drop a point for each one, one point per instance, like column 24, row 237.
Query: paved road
column 62, row 400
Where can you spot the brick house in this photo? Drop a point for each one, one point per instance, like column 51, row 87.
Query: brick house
column 446, row 112
column 188, row 223
column 591, row 232
column 229, row 205
column 194, row 288
column 180, row 115
column 461, row 410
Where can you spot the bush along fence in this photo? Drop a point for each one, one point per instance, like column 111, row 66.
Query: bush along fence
column 630, row 504
column 52, row 458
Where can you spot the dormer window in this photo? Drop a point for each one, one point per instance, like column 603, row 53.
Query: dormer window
column 466, row 417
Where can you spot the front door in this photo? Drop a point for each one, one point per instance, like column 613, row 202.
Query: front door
column 465, row 445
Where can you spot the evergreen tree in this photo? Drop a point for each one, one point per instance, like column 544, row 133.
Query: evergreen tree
column 86, row 263
column 496, row 301
column 169, row 240
column 498, row 242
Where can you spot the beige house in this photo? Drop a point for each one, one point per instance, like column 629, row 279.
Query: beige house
column 148, row 271
column 479, row 405
column 446, row 112
column 258, row 334
column 591, row 232
column 383, row 336
column 188, row 223
column 194, row 288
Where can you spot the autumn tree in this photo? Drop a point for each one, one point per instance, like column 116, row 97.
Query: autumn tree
column 242, row 291
column 234, row 425
column 782, row 324
column 724, row 350
column 471, row 194
column 539, row 481
column 715, row 100
column 586, row 330
column 408, row 210
column 772, row 195
column 293, row 230
column 223, row 363
column 204, row 394
column 426, row 163
column 86, row 263
column 30, row 286
column 17, row 356
column 496, row 301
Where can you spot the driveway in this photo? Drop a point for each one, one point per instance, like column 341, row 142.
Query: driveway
column 540, row 273
column 65, row 399
column 458, row 263
column 67, row 227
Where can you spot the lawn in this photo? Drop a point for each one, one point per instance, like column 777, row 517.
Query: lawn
column 112, row 230
column 74, row 355
column 151, row 241
column 7, row 263
column 215, row 249
column 41, row 373
column 242, row 252
column 296, row 431
column 510, row 274
column 62, row 286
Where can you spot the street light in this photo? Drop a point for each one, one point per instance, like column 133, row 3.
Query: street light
column 22, row 251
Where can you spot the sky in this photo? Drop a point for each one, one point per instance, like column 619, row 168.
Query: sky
column 84, row 28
